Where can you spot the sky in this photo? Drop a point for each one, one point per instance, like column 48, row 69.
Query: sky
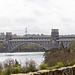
column 38, row 16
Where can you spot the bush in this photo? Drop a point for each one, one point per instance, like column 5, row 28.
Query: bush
column 8, row 63
column 59, row 64
column 70, row 63
column 23, row 70
column 43, row 66
column 51, row 58
column 5, row 72
column 11, row 66
column 1, row 67
column 16, row 69
column 30, row 66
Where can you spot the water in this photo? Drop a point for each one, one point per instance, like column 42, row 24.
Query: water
column 23, row 56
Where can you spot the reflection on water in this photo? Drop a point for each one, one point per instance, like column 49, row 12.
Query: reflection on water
column 23, row 56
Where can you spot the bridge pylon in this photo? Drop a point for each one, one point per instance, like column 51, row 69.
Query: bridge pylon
column 54, row 37
column 8, row 37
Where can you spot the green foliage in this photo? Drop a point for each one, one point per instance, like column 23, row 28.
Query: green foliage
column 70, row 63
column 59, row 64
column 12, row 67
column 72, row 47
column 8, row 71
column 30, row 66
column 55, row 58
column 65, row 56
column 43, row 66
column 16, row 69
column 23, row 70
column 4, row 73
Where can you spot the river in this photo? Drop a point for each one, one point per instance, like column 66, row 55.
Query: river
column 21, row 57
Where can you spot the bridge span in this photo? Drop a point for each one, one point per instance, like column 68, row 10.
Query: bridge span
column 47, row 42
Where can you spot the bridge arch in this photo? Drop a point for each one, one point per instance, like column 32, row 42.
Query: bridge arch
column 15, row 44
column 29, row 43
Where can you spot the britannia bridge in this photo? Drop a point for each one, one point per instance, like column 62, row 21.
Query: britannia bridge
column 47, row 42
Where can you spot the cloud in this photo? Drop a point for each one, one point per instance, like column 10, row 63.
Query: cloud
column 24, row 20
column 39, row 16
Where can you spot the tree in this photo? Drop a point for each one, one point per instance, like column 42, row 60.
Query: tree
column 61, row 46
column 72, row 47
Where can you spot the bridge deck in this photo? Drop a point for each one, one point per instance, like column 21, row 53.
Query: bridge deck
column 28, row 40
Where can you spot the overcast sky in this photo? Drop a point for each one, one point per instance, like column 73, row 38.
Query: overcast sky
column 39, row 16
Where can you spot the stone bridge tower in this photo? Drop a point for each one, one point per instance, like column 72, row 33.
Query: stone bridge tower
column 8, row 37
column 54, row 37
